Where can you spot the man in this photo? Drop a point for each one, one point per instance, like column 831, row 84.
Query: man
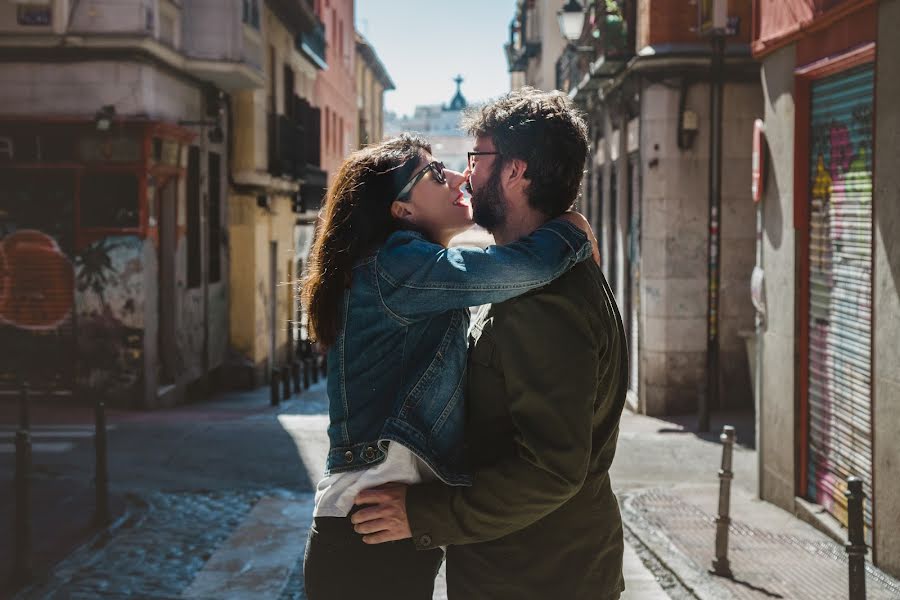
column 545, row 392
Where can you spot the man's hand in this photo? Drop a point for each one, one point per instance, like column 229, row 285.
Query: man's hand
column 386, row 521
column 578, row 220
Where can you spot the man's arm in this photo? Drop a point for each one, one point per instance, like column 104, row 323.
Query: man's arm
column 550, row 359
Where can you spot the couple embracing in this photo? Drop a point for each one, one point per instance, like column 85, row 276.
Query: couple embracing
column 490, row 436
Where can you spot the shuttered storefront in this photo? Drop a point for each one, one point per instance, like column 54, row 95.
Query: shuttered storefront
column 840, row 289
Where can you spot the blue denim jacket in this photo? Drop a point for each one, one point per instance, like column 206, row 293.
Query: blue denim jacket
column 397, row 369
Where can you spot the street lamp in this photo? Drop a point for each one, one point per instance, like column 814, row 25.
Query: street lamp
column 571, row 20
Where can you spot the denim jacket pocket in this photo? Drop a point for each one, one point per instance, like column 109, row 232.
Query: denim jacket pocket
column 437, row 362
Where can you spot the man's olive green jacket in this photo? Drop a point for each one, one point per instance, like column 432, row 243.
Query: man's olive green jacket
column 547, row 377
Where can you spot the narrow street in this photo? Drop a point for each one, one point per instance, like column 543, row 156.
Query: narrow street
column 221, row 508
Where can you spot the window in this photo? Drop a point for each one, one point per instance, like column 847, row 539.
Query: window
column 340, row 135
column 214, row 218
column 250, row 14
column 194, row 274
column 327, row 129
column 109, row 200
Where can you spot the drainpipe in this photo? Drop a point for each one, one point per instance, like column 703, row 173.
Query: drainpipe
column 716, row 93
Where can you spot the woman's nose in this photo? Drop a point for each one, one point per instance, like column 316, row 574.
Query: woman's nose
column 454, row 178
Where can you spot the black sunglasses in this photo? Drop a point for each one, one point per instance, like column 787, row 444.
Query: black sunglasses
column 471, row 154
column 437, row 168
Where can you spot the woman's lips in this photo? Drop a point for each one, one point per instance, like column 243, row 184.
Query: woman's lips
column 462, row 200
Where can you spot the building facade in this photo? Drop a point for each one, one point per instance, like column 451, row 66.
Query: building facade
column 276, row 189
column 113, row 169
column 336, row 85
column 829, row 393
column 642, row 74
column 535, row 44
column 372, row 81
column 441, row 125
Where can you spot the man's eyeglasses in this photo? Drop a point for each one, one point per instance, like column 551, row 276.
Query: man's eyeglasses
column 437, row 168
column 471, row 163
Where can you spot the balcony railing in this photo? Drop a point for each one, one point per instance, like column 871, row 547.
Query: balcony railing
column 312, row 43
column 517, row 56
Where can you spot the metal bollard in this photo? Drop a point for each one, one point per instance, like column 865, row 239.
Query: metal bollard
column 101, row 470
column 285, row 383
column 323, row 364
column 295, row 376
column 856, row 541
column 274, row 392
column 22, row 569
column 314, row 365
column 720, row 565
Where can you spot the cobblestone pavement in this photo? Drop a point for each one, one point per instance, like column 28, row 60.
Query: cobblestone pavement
column 766, row 563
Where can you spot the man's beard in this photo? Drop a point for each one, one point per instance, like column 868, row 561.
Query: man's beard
column 488, row 205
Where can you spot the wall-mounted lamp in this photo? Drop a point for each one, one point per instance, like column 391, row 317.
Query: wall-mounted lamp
column 571, row 20
column 103, row 118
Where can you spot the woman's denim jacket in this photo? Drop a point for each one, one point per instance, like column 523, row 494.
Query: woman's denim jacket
column 397, row 369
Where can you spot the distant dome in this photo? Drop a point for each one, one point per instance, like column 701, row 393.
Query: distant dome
column 459, row 101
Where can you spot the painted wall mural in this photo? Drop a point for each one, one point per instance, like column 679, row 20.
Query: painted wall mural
column 109, row 276
column 36, row 282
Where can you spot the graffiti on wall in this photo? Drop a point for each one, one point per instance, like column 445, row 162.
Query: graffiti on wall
column 109, row 279
column 35, row 282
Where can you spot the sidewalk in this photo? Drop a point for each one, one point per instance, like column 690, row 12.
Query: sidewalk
column 669, row 504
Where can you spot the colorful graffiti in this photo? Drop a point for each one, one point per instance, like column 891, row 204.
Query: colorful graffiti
column 36, row 282
column 840, row 290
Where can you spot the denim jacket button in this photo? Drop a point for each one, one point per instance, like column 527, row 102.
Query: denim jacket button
column 348, row 456
column 369, row 453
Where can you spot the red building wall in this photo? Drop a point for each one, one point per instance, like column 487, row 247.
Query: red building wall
column 821, row 27
column 336, row 85
column 675, row 21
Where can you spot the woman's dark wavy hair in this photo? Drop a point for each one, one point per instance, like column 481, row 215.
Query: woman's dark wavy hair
column 545, row 130
column 355, row 220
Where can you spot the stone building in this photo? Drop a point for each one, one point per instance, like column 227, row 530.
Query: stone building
column 642, row 74
column 276, row 188
column 829, row 389
column 372, row 81
column 113, row 171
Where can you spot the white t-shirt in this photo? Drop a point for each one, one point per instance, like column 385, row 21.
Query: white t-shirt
column 336, row 492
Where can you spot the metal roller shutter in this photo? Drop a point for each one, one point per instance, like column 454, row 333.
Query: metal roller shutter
column 840, row 290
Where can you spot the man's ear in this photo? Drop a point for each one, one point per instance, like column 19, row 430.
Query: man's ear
column 515, row 170
column 401, row 210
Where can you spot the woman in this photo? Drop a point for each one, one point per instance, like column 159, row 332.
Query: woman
column 390, row 300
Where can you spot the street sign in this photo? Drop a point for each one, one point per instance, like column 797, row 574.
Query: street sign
column 712, row 16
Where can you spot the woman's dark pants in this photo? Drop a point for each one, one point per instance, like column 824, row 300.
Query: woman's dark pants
column 338, row 565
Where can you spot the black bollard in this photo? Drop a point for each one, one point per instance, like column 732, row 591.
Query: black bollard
column 721, row 565
column 307, row 377
column 285, row 383
column 295, row 376
column 274, row 392
column 323, row 364
column 856, row 539
column 101, row 470
column 22, row 569
column 314, row 366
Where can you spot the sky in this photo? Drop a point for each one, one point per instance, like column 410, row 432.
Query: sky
column 424, row 44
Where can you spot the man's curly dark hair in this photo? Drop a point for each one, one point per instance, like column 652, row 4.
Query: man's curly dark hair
column 545, row 130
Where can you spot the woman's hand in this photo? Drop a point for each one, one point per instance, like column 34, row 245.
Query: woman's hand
column 578, row 220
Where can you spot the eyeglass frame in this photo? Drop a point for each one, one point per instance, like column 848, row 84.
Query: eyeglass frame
column 469, row 156
column 438, row 177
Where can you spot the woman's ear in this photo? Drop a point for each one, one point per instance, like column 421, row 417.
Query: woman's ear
column 401, row 210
